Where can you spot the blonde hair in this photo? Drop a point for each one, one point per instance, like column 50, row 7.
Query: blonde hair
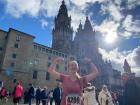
column 74, row 62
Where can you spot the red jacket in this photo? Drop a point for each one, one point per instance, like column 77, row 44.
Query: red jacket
column 3, row 92
column 18, row 91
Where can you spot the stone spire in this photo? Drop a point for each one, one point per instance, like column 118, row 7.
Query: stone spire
column 80, row 27
column 126, row 67
column 62, row 32
column 63, row 9
column 87, row 26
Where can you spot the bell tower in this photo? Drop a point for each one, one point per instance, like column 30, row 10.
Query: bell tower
column 62, row 31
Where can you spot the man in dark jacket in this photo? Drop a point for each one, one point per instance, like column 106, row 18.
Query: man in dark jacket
column 57, row 94
column 44, row 96
column 38, row 94
column 31, row 93
column 131, row 94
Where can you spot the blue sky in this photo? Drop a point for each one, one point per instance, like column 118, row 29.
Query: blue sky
column 117, row 24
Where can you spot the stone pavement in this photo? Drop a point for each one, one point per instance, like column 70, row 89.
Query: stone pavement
column 10, row 103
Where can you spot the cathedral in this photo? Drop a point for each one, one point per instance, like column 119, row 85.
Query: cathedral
column 29, row 62
column 84, row 45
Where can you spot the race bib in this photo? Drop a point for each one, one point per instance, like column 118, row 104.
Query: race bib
column 73, row 99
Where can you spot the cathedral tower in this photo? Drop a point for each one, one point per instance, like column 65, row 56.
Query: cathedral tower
column 85, row 42
column 62, row 32
column 126, row 67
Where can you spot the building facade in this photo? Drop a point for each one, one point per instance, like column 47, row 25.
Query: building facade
column 23, row 59
column 27, row 61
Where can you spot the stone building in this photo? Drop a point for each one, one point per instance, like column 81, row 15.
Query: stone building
column 62, row 31
column 23, row 59
column 27, row 61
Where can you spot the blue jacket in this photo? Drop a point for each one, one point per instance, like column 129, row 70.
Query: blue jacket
column 38, row 93
column 57, row 94
column 44, row 94
column 31, row 92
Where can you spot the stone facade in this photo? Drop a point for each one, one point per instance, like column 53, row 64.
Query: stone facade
column 2, row 44
column 27, row 61
column 62, row 32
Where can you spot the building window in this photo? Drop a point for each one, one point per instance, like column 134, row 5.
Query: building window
column 39, row 48
column 47, row 76
column 25, row 62
column 49, row 64
column 50, row 51
column 47, row 50
column 56, row 53
column 35, row 46
column 18, row 38
column 49, row 57
column 35, row 74
column 59, row 54
column 12, row 64
column 16, row 45
column 57, row 66
column 65, row 68
column 36, row 61
column 53, row 52
column 15, row 81
column 65, row 56
column 71, row 58
column 43, row 49
column 1, row 49
column 14, row 55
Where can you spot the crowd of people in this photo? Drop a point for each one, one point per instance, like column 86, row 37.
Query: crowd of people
column 73, row 89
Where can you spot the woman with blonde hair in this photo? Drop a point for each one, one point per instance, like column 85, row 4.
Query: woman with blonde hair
column 72, row 84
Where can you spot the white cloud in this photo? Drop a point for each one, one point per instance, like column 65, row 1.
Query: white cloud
column 76, row 15
column 130, row 26
column 113, row 9
column 17, row 8
column 44, row 23
column 115, row 12
column 84, row 2
column 132, row 3
column 50, row 7
column 109, row 29
column 117, row 58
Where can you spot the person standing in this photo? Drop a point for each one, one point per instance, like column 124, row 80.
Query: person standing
column 18, row 91
column 45, row 96
column 51, row 97
column 38, row 94
column 131, row 90
column 57, row 94
column 90, row 95
column 73, row 83
column 105, row 97
column 3, row 95
column 31, row 94
column 26, row 98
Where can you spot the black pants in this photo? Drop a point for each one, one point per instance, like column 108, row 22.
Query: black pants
column 51, row 101
column 37, row 101
column 44, row 102
column 57, row 102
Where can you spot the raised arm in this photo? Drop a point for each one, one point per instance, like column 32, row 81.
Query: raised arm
column 52, row 68
column 94, row 71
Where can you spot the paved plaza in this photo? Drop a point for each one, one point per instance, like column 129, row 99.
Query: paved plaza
column 10, row 103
